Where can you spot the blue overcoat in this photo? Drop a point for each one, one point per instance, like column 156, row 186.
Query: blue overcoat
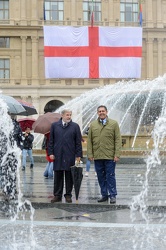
column 65, row 144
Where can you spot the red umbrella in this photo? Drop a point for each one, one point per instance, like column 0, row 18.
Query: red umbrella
column 43, row 123
column 29, row 108
column 26, row 122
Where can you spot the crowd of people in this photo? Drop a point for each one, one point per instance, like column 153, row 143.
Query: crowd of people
column 63, row 145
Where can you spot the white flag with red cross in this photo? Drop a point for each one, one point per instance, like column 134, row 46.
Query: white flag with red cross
column 92, row 52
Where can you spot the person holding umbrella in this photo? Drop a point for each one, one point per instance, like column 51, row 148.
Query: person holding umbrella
column 64, row 148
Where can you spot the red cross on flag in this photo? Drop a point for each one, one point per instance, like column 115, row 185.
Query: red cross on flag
column 92, row 52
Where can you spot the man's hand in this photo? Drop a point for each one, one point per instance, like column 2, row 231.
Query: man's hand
column 78, row 159
column 91, row 159
column 116, row 159
column 52, row 157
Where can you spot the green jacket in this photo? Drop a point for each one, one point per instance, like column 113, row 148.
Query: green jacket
column 104, row 141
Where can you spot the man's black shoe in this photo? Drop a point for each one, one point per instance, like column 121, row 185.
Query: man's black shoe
column 56, row 199
column 103, row 199
column 112, row 200
column 68, row 199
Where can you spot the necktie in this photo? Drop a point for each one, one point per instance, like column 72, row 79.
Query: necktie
column 64, row 125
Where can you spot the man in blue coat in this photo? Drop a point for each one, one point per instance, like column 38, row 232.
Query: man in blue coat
column 64, row 148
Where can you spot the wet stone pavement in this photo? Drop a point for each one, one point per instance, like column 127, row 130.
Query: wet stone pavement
column 88, row 224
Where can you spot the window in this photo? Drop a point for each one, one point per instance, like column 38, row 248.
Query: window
column 129, row 10
column 4, row 42
column 53, row 10
column 88, row 5
column 4, row 68
column 4, row 9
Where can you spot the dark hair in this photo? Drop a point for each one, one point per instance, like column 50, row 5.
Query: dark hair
column 102, row 106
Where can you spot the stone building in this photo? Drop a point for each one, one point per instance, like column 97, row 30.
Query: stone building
column 22, row 44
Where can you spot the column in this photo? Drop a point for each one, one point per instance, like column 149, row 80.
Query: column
column 149, row 13
column 35, row 73
column 149, row 44
column 34, row 9
column 116, row 11
column 23, row 57
column 159, row 13
column 73, row 10
column 23, row 12
column 111, row 10
column 160, row 56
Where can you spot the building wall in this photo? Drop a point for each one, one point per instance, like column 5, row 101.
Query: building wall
column 25, row 29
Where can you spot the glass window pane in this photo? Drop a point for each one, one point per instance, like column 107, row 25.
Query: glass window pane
column 1, row 73
column 47, row 15
column 6, row 14
column 54, row 6
column 61, row 15
column 85, row 6
column 7, row 74
column 135, row 17
column 6, row 63
column 6, row 5
column 122, row 7
column 60, row 6
column 85, row 16
column 4, row 42
column 122, row 17
column 53, row 15
column 135, row 7
column 128, row 17
column 47, row 6
column 98, row 6
column 1, row 63
column 7, row 42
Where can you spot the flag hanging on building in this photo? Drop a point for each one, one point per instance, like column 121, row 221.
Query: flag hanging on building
column 92, row 15
column 92, row 52
column 140, row 13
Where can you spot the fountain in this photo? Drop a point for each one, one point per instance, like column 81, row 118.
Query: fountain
column 136, row 105
column 13, row 205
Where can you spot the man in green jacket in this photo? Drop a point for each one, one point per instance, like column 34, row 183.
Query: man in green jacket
column 104, row 145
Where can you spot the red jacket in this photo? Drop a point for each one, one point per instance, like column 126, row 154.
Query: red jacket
column 47, row 141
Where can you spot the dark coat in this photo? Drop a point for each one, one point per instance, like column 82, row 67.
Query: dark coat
column 17, row 133
column 27, row 143
column 65, row 144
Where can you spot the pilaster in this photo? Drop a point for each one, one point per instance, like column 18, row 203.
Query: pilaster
column 35, row 60
column 149, row 13
column 150, row 60
column 160, row 56
column 159, row 14
column 23, row 57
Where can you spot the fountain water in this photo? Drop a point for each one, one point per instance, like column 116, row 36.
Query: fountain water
column 134, row 104
column 13, row 204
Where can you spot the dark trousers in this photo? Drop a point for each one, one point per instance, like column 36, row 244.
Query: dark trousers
column 59, row 183
column 105, row 170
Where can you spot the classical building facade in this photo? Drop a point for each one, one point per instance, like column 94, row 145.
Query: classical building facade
column 22, row 73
